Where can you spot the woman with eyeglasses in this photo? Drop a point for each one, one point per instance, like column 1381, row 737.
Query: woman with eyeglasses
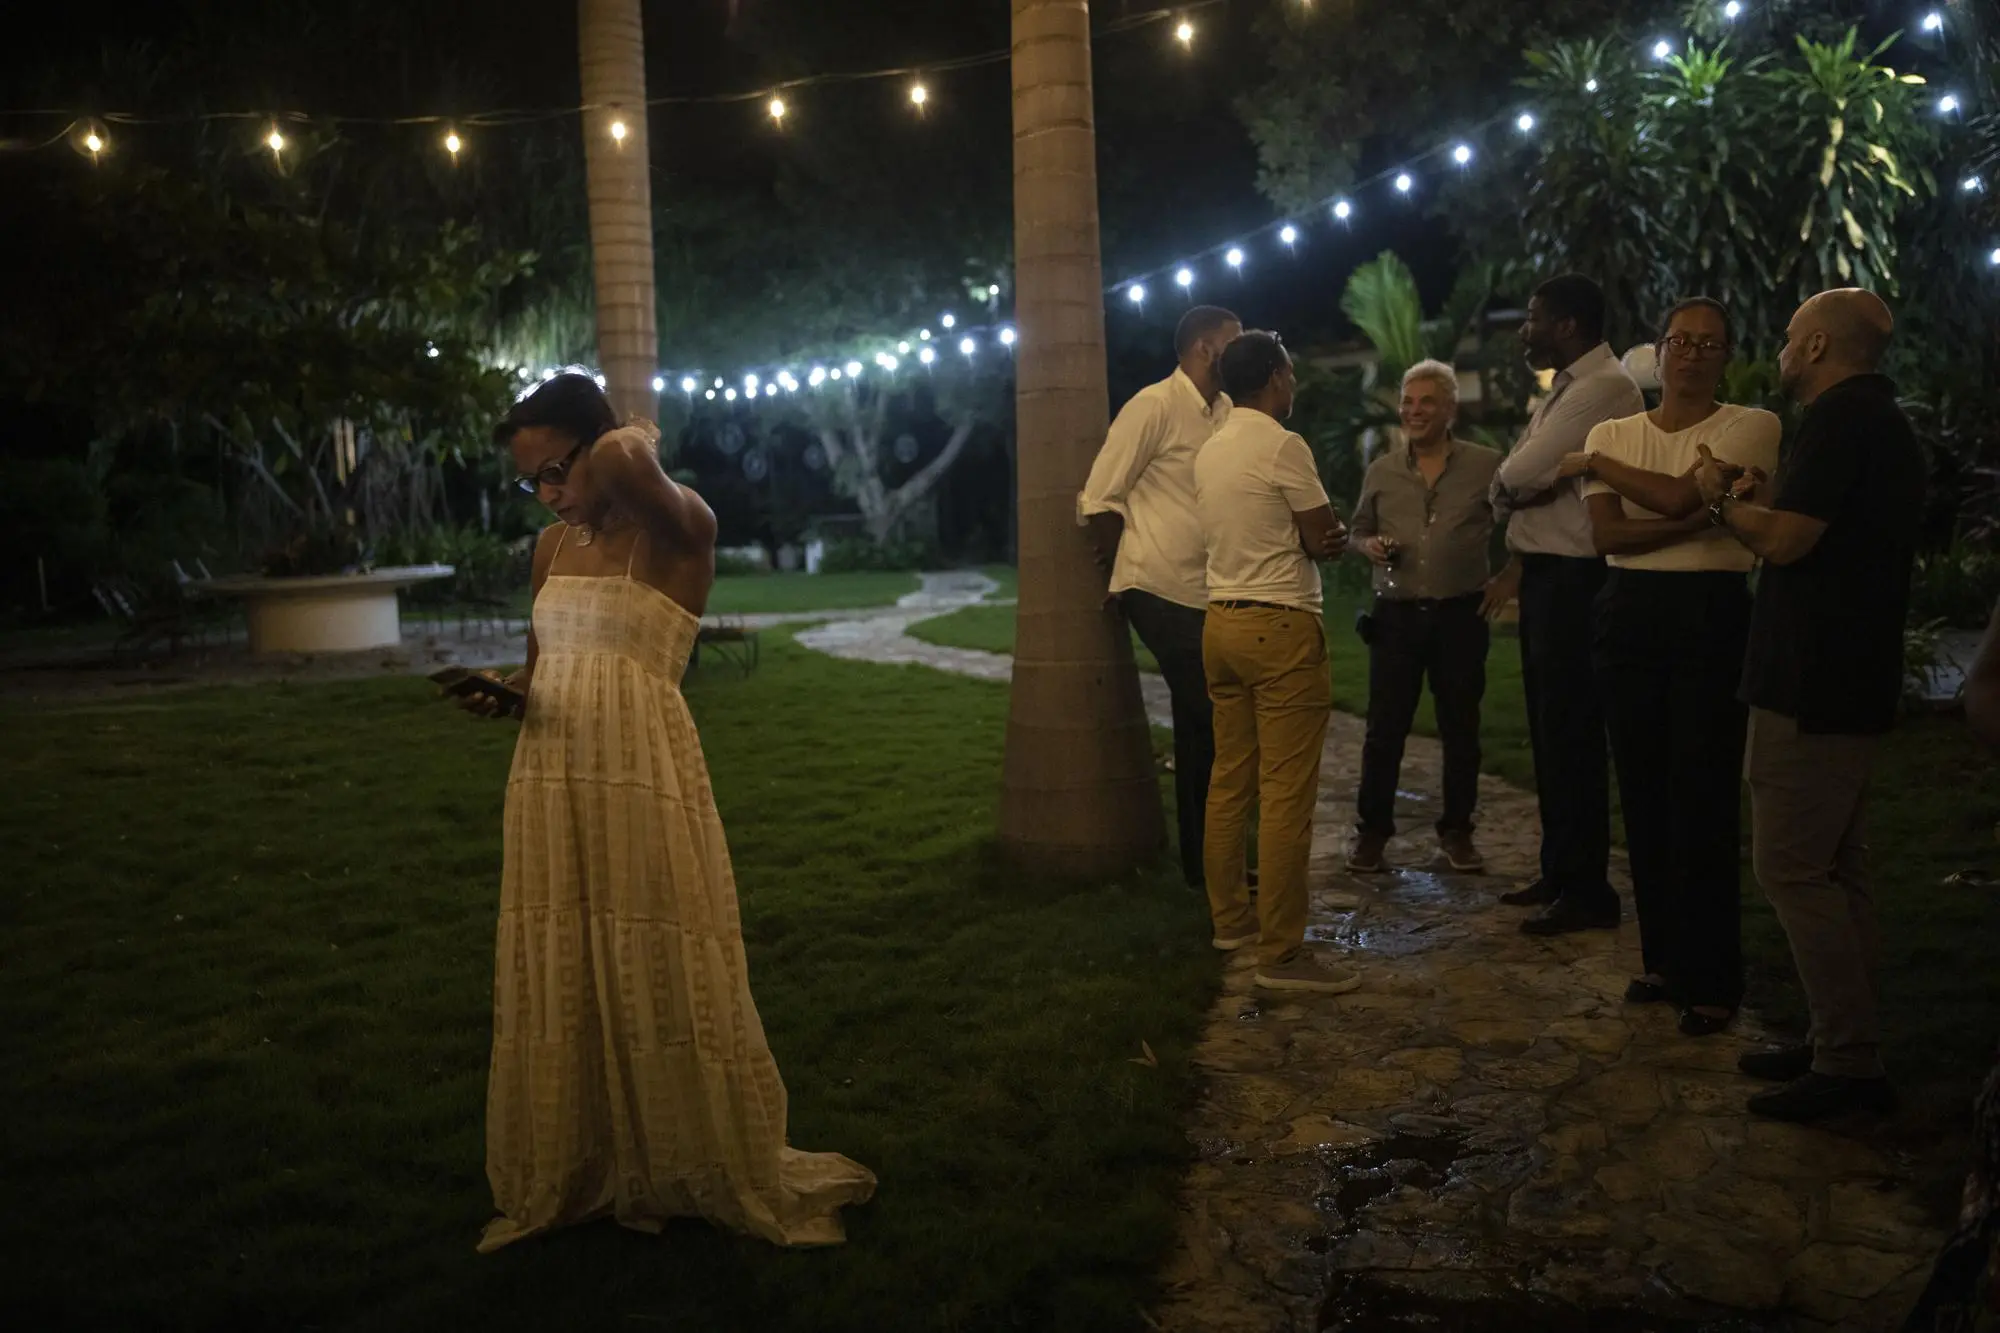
column 1672, row 623
column 630, row 1076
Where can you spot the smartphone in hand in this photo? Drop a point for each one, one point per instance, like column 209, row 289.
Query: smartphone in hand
column 462, row 685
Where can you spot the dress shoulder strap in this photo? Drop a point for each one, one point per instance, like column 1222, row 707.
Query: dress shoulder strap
column 632, row 558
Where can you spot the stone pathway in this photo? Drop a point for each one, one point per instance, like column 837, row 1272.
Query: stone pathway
column 1485, row 1136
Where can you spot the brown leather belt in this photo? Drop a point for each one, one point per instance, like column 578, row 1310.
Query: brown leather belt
column 1257, row 606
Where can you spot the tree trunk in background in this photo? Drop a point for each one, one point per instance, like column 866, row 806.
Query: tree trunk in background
column 611, row 51
column 1081, row 797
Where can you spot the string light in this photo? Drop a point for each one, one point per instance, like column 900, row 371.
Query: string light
column 729, row 395
column 777, row 109
column 770, row 391
column 1006, row 337
column 1733, row 9
column 1590, row 85
column 927, row 355
column 1184, row 33
column 1947, row 104
column 818, row 376
column 659, row 384
column 718, row 381
column 1662, row 49
column 948, row 319
column 688, row 385
column 1289, row 234
column 1234, row 258
column 1933, row 21
column 1972, row 185
column 94, row 142
column 853, row 369
column 919, row 95
column 1404, row 182
column 275, row 140
column 1185, row 278
column 966, row 346
column 1525, row 122
column 749, row 384
column 452, row 143
column 903, row 347
column 1462, row 154
column 1342, row 210
column 618, row 132
column 923, row 335
column 834, row 374
column 1994, row 258
column 1136, row 293
column 710, row 395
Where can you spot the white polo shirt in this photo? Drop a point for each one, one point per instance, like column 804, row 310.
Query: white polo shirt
column 1249, row 480
column 1744, row 435
column 1145, row 475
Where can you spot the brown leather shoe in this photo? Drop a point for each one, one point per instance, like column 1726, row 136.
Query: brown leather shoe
column 1364, row 857
column 1460, row 854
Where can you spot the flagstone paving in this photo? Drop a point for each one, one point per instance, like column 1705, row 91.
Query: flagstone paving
column 1485, row 1136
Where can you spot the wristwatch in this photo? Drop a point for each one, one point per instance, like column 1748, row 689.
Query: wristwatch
column 1716, row 516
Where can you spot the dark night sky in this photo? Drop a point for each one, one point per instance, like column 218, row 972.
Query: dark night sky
column 1178, row 171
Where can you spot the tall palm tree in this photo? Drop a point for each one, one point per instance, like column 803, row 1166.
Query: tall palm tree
column 1080, row 795
column 611, row 49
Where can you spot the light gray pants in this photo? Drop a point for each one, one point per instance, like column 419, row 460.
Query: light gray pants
column 1808, row 795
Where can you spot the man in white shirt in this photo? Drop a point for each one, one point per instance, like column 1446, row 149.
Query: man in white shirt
column 1557, row 572
column 1139, row 507
column 1265, row 518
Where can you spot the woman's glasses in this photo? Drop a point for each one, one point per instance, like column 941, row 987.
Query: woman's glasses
column 555, row 474
column 1695, row 347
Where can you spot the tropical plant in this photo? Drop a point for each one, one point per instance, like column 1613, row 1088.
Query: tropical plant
column 1079, row 795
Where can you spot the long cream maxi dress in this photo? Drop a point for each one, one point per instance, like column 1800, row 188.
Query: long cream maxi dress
column 630, row 1072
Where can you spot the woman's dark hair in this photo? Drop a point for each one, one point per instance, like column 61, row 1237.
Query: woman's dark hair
column 570, row 403
column 1699, row 303
column 1249, row 362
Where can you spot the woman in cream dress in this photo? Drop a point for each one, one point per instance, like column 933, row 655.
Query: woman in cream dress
column 630, row 1076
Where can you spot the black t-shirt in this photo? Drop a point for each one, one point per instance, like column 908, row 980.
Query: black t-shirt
column 1826, row 639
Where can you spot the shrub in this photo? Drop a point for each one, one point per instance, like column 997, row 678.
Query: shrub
column 846, row 555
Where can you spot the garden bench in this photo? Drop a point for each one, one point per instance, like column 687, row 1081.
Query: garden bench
column 732, row 641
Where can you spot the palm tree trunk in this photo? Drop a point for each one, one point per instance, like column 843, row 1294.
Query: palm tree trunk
column 611, row 49
column 1080, row 794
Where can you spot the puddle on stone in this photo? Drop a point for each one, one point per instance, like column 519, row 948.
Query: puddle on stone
column 1361, row 1303
column 1360, row 1175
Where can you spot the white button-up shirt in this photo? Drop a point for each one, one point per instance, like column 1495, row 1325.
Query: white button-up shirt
column 1145, row 475
column 1593, row 388
column 1249, row 482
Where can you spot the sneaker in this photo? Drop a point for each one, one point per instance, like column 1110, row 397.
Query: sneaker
column 1301, row 972
column 1229, row 941
column 1539, row 894
column 1365, row 856
column 1780, row 1066
column 1818, row 1096
column 1460, row 854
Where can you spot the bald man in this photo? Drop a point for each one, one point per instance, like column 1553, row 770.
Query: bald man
column 1823, row 677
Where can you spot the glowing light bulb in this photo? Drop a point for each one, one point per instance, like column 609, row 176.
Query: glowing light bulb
column 1590, row 85
column 889, row 362
column 1289, row 234
column 834, row 374
column 750, row 384
column 1234, row 258
column 452, row 143
column 1404, row 183
column 1185, row 277
column 1994, row 258
column 1947, row 104
column 777, row 109
column 276, row 141
column 1007, row 337
column 927, row 355
column 1136, row 293
column 919, row 95
column 817, row 377
column 1733, row 9
column 431, row 351
column 729, row 394
column 853, row 368
column 688, row 383
column 93, row 143
column 924, row 335
column 1972, row 185
column 770, row 391
column 710, row 395
column 966, row 346
column 1933, row 21
column 949, row 320
column 1184, row 33
column 903, row 347
column 1462, row 154
column 1342, row 210
column 618, row 131
column 1525, row 122
column 659, row 384
column 1662, row 49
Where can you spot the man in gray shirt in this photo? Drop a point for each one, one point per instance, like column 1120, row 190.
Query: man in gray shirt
column 1425, row 520
column 1557, row 572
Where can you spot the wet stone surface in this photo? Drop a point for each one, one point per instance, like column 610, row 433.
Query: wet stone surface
column 1484, row 1138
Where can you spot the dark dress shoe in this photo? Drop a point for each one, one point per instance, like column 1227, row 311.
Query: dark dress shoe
column 1694, row 1023
column 1777, row 1066
column 1643, row 991
column 1818, row 1096
column 1539, row 894
column 1569, row 916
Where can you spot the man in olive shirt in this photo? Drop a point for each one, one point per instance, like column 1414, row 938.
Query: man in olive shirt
column 1424, row 519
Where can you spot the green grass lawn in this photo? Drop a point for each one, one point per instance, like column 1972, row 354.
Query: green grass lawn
column 750, row 594
column 1935, row 811
column 247, row 995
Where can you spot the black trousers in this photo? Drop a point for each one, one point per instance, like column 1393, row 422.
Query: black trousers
column 1566, row 724
column 1446, row 641
column 1669, row 654
column 1172, row 633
